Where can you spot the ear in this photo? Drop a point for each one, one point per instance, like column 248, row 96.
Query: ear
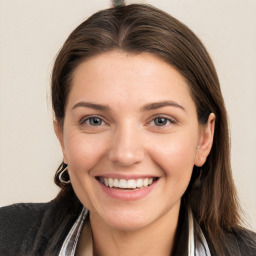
column 59, row 133
column 205, row 141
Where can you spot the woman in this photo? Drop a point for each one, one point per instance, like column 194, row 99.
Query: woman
column 143, row 129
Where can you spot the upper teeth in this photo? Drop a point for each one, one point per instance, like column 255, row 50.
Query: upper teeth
column 122, row 183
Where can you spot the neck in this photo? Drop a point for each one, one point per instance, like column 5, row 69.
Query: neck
column 155, row 239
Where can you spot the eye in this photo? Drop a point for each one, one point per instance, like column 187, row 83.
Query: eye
column 92, row 121
column 161, row 121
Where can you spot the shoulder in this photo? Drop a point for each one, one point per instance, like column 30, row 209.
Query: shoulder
column 243, row 239
column 23, row 208
column 22, row 215
column 246, row 241
column 19, row 217
column 37, row 229
column 18, row 220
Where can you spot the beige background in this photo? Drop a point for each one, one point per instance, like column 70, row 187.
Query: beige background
column 32, row 31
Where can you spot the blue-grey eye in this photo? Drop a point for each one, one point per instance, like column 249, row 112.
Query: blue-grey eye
column 161, row 121
column 95, row 121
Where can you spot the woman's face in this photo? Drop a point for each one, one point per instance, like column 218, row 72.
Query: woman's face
column 131, row 138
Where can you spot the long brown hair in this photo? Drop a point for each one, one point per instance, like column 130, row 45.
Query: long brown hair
column 141, row 28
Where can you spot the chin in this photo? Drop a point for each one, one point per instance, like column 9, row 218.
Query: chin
column 126, row 219
column 127, row 224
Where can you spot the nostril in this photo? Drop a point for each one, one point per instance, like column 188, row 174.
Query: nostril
column 125, row 158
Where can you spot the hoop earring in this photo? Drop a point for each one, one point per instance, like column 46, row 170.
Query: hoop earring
column 63, row 181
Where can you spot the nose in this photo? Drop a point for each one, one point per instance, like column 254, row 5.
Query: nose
column 126, row 147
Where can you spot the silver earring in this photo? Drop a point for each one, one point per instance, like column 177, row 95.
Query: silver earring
column 64, row 181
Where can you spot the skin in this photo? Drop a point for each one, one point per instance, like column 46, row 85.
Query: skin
column 130, row 142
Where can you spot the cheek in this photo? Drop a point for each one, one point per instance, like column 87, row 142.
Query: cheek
column 175, row 156
column 83, row 151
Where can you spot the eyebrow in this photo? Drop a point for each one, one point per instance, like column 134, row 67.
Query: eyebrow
column 161, row 104
column 91, row 105
column 147, row 107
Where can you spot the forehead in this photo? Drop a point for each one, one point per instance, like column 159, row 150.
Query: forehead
column 128, row 78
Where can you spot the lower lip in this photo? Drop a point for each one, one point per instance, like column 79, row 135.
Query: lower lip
column 128, row 195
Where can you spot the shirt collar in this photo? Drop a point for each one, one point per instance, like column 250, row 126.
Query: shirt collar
column 70, row 243
column 197, row 244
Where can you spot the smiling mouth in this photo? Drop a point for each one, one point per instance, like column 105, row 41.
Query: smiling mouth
column 130, row 184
